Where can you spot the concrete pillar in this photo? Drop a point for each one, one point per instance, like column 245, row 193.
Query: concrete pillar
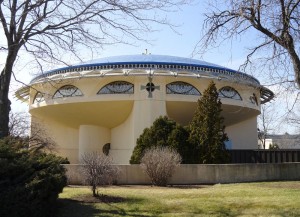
column 92, row 138
column 145, row 113
column 147, row 109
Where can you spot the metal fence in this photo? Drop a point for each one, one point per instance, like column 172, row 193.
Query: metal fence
column 265, row 156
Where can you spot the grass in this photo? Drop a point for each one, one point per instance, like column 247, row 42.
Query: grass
column 248, row 199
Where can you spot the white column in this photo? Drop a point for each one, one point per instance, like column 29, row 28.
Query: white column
column 146, row 110
column 92, row 138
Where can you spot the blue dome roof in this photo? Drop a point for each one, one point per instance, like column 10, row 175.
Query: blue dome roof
column 146, row 61
column 149, row 59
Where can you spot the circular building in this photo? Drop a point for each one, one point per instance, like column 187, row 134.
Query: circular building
column 105, row 104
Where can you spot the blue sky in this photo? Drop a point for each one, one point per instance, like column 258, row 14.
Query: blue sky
column 164, row 41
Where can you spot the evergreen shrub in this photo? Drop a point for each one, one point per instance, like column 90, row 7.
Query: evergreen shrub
column 163, row 133
column 29, row 183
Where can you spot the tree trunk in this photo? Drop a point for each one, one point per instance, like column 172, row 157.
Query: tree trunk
column 94, row 188
column 288, row 43
column 4, row 108
column 296, row 65
column 5, row 78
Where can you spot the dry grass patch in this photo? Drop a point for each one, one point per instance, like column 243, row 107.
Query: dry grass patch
column 248, row 199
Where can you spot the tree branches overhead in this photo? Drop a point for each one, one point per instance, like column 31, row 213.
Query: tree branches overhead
column 47, row 26
column 276, row 23
column 52, row 31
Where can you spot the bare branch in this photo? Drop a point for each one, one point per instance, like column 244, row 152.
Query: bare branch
column 160, row 163
column 98, row 170
column 49, row 29
column 275, row 22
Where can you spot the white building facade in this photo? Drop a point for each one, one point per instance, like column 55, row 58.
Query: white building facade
column 112, row 100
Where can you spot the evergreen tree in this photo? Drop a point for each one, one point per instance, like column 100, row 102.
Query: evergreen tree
column 207, row 128
column 29, row 181
column 165, row 133
column 179, row 140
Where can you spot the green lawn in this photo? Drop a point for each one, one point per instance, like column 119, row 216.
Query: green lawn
column 250, row 199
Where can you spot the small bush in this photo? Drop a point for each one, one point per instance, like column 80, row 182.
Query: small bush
column 159, row 163
column 98, row 170
column 29, row 183
column 274, row 146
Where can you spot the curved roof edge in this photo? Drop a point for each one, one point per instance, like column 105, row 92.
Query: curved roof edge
column 144, row 61
column 177, row 66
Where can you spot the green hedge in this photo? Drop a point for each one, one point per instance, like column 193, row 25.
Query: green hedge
column 29, row 183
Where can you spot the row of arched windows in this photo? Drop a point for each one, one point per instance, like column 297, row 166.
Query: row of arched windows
column 124, row 87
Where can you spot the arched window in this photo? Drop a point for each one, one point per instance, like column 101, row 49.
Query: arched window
column 179, row 87
column 39, row 97
column 117, row 87
column 67, row 91
column 229, row 92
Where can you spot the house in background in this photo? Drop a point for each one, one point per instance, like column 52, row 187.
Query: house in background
column 284, row 141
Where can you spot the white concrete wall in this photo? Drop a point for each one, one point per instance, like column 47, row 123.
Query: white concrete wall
column 122, row 141
column 66, row 138
column 92, row 139
column 244, row 134
column 202, row 173
column 82, row 124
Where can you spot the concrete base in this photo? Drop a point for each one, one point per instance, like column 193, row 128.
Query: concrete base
column 202, row 173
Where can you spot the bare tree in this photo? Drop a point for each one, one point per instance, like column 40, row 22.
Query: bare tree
column 160, row 163
column 267, row 122
column 39, row 139
column 51, row 29
column 19, row 124
column 294, row 118
column 276, row 23
column 98, row 170
column 30, row 136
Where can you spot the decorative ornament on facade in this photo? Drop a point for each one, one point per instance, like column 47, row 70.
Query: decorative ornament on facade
column 150, row 87
column 39, row 97
column 146, row 52
column 253, row 99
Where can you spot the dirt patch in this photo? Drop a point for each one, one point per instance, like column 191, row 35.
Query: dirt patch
column 99, row 199
column 287, row 185
column 190, row 186
column 168, row 186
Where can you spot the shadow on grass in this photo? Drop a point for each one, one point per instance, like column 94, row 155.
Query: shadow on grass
column 99, row 199
column 69, row 207
column 75, row 208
